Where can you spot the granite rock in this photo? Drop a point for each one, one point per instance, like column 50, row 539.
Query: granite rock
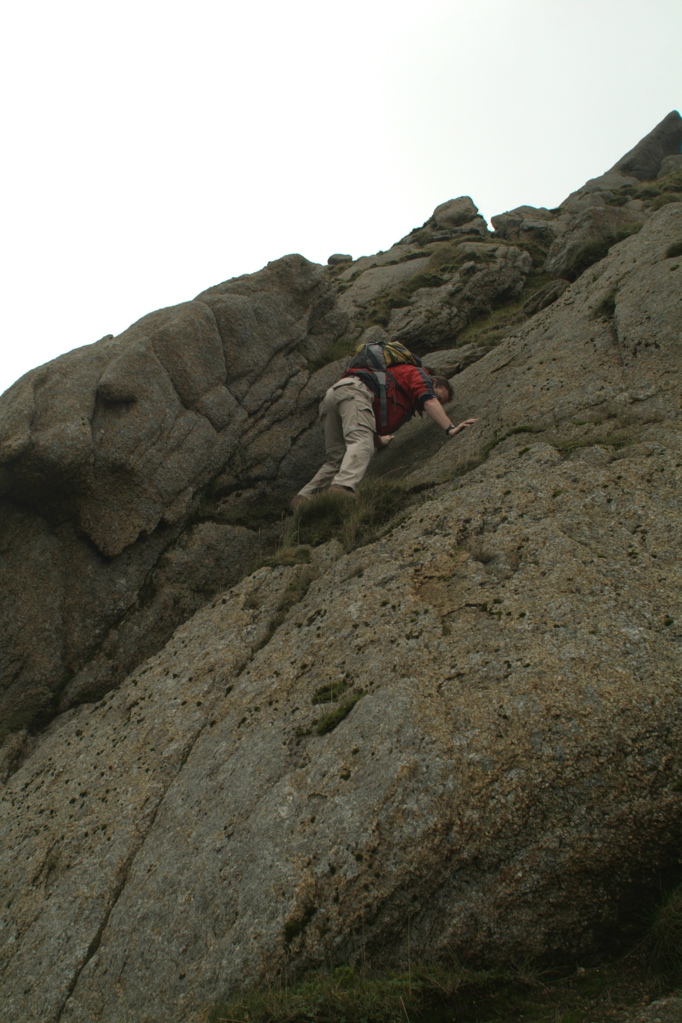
column 104, row 456
column 463, row 738
column 591, row 231
column 455, row 212
column 435, row 315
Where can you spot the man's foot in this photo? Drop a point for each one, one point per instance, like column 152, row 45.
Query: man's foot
column 297, row 501
column 346, row 491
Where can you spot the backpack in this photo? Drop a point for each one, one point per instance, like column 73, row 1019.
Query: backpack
column 376, row 357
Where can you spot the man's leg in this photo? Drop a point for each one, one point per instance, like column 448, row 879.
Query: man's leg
column 355, row 409
column 334, row 446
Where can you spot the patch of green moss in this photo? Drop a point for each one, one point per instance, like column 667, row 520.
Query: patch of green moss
column 334, row 718
column 330, row 692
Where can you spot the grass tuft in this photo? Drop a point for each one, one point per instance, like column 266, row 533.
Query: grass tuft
column 286, row 555
column 445, row 993
column 607, row 307
column 329, row 722
column 343, row 348
column 330, row 692
column 344, row 995
column 354, row 522
column 594, row 251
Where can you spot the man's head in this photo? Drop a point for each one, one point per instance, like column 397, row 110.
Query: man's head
column 442, row 389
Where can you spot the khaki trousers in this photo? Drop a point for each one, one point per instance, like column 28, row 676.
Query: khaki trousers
column 349, row 425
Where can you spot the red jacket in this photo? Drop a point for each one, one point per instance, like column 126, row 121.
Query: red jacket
column 407, row 388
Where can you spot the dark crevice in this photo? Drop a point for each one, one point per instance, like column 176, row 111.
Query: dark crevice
column 97, row 940
column 127, row 864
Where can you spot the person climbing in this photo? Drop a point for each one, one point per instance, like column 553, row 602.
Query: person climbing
column 361, row 413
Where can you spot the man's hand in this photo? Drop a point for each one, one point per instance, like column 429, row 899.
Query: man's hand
column 381, row 442
column 462, row 426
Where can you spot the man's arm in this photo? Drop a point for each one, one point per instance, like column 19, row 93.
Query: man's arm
column 435, row 411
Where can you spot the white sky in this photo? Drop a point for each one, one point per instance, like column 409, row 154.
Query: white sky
column 152, row 149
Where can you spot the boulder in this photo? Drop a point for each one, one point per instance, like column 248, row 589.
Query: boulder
column 373, row 335
column 670, row 164
column 526, row 224
column 339, row 257
column 455, row 212
column 451, row 361
column 476, row 226
column 597, row 191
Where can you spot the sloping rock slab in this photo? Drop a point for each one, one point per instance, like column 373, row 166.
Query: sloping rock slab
column 509, row 769
column 502, row 765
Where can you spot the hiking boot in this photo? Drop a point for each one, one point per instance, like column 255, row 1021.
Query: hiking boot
column 346, row 491
column 297, row 501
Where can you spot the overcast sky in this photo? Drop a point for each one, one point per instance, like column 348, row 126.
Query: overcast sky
column 154, row 149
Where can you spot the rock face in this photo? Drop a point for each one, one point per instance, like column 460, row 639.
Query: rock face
column 644, row 161
column 104, row 453
column 596, row 227
column 464, row 736
column 493, row 274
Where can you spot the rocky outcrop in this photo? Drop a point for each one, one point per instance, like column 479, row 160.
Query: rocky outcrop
column 490, row 276
column 560, row 364
column 596, row 216
column 527, row 225
column 644, row 161
column 588, row 238
column 455, row 212
column 105, row 453
column 464, row 736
